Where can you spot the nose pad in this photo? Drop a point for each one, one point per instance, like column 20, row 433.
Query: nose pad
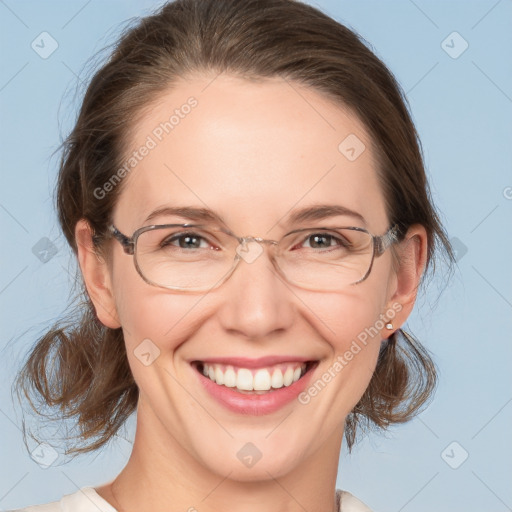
column 250, row 249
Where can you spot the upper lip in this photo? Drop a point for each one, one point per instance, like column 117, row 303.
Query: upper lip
column 246, row 362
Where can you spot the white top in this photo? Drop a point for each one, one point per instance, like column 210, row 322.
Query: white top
column 88, row 500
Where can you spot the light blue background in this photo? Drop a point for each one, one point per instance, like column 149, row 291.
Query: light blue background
column 462, row 108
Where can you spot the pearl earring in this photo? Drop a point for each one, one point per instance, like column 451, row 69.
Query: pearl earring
column 389, row 326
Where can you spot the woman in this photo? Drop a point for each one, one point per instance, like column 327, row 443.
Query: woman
column 245, row 194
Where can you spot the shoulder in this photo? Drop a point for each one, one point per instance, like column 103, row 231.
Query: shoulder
column 85, row 499
column 88, row 500
column 347, row 502
column 54, row 506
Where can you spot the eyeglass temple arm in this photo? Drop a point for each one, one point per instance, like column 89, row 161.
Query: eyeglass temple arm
column 386, row 240
column 126, row 242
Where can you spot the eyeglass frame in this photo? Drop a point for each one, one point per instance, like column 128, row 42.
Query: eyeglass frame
column 380, row 244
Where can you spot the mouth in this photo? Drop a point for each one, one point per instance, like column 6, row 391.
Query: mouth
column 251, row 380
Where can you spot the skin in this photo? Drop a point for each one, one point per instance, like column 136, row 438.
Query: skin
column 247, row 147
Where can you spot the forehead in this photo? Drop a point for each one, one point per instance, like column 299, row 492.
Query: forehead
column 253, row 152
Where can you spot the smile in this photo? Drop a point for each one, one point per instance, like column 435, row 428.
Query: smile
column 254, row 386
column 254, row 380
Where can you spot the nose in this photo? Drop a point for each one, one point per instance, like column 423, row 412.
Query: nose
column 257, row 302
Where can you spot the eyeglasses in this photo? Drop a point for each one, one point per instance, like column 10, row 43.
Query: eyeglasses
column 198, row 257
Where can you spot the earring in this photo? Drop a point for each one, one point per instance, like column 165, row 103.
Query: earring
column 389, row 326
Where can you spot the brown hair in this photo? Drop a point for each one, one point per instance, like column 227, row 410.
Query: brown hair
column 80, row 366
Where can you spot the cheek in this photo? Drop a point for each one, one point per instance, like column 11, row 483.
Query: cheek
column 354, row 337
column 147, row 312
column 150, row 313
column 351, row 323
column 357, row 313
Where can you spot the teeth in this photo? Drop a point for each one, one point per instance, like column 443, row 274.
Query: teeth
column 263, row 379
column 288, row 376
column 277, row 380
column 219, row 376
column 229, row 378
column 244, row 380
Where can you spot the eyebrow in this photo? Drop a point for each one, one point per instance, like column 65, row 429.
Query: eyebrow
column 187, row 212
column 309, row 213
column 323, row 211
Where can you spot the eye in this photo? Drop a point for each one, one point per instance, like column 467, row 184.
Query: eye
column 322, row 240
column 185, row 241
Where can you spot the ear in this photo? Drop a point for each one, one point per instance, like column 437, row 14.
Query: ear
column 412, row 258
column 96, row 276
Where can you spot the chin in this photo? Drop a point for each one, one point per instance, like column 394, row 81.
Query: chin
column 254, row 461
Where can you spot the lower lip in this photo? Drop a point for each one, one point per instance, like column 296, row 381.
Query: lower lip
column 253, row 404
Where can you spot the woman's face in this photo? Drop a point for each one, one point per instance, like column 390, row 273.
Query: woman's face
column 254, row 154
